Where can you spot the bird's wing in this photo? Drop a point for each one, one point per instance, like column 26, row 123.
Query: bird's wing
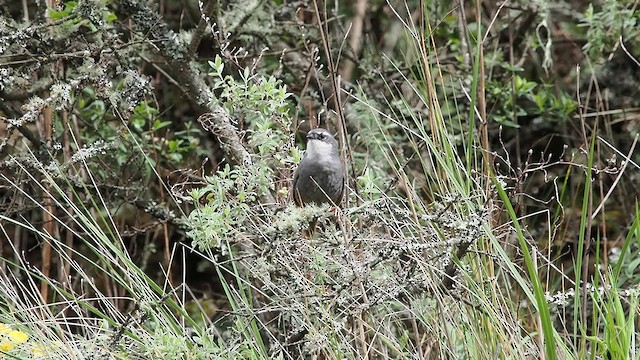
column 341, row 192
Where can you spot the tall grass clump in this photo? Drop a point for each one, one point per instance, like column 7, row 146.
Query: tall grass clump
column 107, row 306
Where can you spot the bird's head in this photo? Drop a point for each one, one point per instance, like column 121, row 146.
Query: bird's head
column 321, row 143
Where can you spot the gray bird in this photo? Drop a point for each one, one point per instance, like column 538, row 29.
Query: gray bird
column 320, row 175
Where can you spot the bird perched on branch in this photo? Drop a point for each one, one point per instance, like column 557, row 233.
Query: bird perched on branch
column 320, row 175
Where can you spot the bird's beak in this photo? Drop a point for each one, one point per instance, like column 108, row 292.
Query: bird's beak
column 311, row 136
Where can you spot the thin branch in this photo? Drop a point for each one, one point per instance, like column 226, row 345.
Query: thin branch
column 212, row 9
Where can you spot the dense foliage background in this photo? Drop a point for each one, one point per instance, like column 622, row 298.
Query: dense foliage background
column 147, row 149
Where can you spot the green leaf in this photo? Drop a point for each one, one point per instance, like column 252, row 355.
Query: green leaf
column 159, row 124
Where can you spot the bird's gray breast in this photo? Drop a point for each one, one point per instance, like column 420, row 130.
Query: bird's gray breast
column 319, row 180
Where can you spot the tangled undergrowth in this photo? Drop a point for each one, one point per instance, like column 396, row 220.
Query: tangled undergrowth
column 147, row 150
